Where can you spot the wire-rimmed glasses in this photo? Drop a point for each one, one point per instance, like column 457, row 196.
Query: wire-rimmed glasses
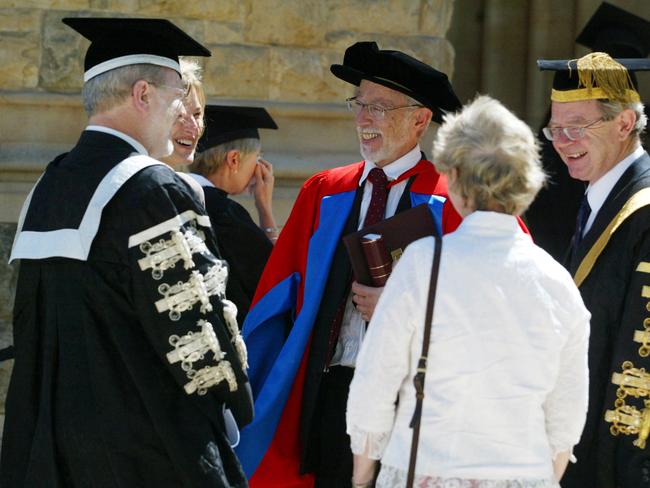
column 375, row 111
column 571, row 133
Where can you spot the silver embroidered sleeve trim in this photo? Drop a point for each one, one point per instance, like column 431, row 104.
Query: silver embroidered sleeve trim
column 193, row 347
column 165, row 253
column 183, row 296
column 209, row 376
column 230, row 316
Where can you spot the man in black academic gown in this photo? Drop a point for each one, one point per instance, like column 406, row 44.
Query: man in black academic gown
column 595, row 125
column 129, row 366
column 228, row 163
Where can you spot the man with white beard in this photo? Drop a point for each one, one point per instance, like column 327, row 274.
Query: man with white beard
column 308, row 317
column 129, row 364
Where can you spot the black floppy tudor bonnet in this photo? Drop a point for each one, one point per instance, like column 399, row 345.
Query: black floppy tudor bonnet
column 400, row 72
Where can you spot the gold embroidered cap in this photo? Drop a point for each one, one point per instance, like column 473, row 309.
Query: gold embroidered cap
column 596, row 76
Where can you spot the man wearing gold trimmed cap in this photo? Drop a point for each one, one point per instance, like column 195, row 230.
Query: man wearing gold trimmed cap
column 550, row 218
column 596, row 120
column 129, row 370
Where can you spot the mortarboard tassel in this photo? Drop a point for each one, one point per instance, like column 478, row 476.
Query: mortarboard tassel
column 600, row 70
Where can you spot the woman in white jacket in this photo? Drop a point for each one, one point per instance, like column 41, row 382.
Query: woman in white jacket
column 506, row 381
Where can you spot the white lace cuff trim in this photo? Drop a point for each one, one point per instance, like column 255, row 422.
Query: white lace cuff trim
column 390, row 477
column 372, row 444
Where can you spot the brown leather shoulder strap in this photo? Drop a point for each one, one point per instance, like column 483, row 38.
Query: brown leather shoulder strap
column 418, row 379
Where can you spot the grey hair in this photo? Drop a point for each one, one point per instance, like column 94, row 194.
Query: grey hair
column 495, row 154
column 110, row 89
column 611, row 109
column 211, row 160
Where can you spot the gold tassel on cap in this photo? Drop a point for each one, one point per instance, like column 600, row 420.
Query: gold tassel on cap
column 600, row 70
column 602, row 78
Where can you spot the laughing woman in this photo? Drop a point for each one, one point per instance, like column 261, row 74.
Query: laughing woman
column 506, row 380
column 189, row 125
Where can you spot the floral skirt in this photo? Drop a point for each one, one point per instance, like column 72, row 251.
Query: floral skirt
column 390, row 477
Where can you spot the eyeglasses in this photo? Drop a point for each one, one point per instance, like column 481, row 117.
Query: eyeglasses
column 571, row 133
column 181, row 92
column 374, row 110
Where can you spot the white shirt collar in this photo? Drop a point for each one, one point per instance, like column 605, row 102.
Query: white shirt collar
column 395, row 169
column 493, row 222
column 136, row 145
column 597, row 192
column 202, row 180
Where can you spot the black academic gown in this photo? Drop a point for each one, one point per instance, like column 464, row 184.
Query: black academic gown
column 616, row 293
column 242, row 244
column 97, row 397
column 551, row 216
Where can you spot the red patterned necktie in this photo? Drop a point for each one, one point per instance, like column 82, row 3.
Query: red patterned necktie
column 377, row 207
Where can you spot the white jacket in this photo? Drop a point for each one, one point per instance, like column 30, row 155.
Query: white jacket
column 506, row 382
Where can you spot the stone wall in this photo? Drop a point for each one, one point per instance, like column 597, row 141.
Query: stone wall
column 272, row 53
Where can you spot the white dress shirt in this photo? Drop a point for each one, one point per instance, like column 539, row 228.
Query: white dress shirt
column 507, row 380
column 600, row 190
column 353, row 327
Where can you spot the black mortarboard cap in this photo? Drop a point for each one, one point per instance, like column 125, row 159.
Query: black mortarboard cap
column 616, row 32
column 117, row 42
column 400, row 72
column 225, row 123
column 595, row 76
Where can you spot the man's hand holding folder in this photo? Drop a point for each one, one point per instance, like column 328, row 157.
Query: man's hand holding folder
column 374, row 249
column 396, row 233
